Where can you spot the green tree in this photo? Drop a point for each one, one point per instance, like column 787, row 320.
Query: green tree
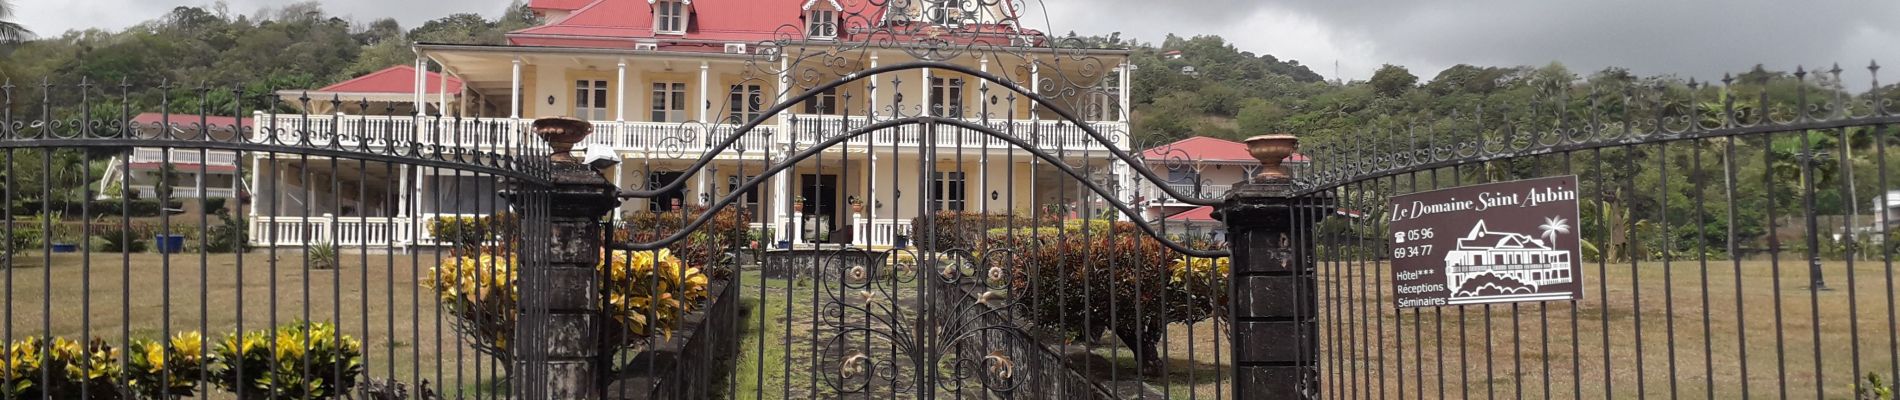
column 11, row 31
column 1392, row 80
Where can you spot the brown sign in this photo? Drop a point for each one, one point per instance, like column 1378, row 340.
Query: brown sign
column 1502, row 242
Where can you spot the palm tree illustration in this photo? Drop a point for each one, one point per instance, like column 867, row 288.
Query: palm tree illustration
column 1552, row 226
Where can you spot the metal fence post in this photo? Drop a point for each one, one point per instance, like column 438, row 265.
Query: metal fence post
column 563, row 352
column 1273, row 326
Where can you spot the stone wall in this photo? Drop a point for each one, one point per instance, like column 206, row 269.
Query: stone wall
column 698, row 356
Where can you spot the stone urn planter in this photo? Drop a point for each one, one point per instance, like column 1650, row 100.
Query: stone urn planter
column 1272, row 150
column 562, row 133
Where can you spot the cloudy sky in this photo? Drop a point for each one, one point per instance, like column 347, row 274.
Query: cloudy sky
column 1698, row 38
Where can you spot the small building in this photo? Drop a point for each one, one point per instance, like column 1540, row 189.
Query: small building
column 183, row 170
column 1198, row 167
column 1515, row 256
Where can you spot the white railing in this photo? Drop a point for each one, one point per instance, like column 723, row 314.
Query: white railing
column 183, row 156
column 1188, row 189
column 673, row 137
column 189, row 191
column 340, row 231
column 490, row 135
column 502, row 135
column 1048, row 135
column 884, row 231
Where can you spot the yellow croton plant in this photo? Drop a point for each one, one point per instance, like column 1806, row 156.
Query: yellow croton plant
column 647, row 292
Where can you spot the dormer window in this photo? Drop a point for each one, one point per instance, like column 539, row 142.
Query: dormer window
column 821, row 24
column 669, row 17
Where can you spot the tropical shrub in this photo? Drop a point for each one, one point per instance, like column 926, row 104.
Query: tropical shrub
column 465, row 233
column 647, row 292
column 1128, row 284
column 132, row 238
column 705, row 247
column 308, row 360
column 1202, row 280
column 963, row 230
column 229, row 236
column 169, row 369
column 62, row 368
column 321, row 255
column 1872, row 387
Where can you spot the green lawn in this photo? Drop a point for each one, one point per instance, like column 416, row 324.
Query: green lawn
column 71, row 298
column 402, row 338
column 1368, row 333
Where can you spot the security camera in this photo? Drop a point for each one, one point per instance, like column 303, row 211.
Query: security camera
column 600, row 157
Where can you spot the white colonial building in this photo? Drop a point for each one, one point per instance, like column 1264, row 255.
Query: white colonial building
column 662, row 80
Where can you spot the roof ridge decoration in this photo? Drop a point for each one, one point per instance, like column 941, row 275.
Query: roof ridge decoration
column 809, row 3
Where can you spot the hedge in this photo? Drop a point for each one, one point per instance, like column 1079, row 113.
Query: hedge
column 136, row 208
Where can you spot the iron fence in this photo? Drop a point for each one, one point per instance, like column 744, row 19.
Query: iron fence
column 1705, row 271
column 162, row 245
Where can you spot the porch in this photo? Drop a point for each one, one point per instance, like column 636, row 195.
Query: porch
column 636, row 137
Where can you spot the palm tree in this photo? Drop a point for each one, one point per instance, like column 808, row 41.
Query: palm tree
column 1552, row 226
column 11, row 31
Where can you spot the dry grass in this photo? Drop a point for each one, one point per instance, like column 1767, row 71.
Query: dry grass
column 373, row 299
column 1372, row 349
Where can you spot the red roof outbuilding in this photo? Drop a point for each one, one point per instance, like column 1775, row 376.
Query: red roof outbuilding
column 1202, row 148
column 1202, row 213
column 397, row 79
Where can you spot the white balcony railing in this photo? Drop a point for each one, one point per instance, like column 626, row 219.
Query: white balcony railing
column 340, row 231
column 183, row 156
column 1048, row 135
column 188, row 191
column 1188, row 189
column 502, row 135
column 489, row 135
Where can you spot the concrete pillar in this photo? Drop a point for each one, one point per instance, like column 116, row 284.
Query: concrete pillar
column 514, row 89
column 620, row 91
column 560, row 353
column 1274, row 314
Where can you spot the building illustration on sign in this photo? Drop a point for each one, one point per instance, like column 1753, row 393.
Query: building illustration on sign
column 1490, row 266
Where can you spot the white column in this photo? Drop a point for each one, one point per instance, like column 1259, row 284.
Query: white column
column 870, row 201
column 705, row 108
column 784, row 87
column 874, row 83
column 781, row 205
column 422, row 67
column 442, row 93
column 402, row 190
column 983, row 162
column 514, row 100
column 620, row 91
column 925, row 83
column 257, row 165
column 1123, row 171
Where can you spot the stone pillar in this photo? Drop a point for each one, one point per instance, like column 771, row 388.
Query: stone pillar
column 560, row 354
column 580, row 199
column 1273, row 303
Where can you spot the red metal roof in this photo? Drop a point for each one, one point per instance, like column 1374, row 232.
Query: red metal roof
column 621, row 23
column 563, row 5
column 1202, row 213
column 1202, row 148
column 397, row 79
column 186, row 120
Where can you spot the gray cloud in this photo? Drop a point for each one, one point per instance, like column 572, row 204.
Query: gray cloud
column 1700, row 38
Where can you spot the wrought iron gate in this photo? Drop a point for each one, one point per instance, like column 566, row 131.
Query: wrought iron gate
column 889, row 246
column 1727, row 252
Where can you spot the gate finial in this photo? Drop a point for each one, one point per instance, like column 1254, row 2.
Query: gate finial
column 562, row 133
column 1272, row 150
